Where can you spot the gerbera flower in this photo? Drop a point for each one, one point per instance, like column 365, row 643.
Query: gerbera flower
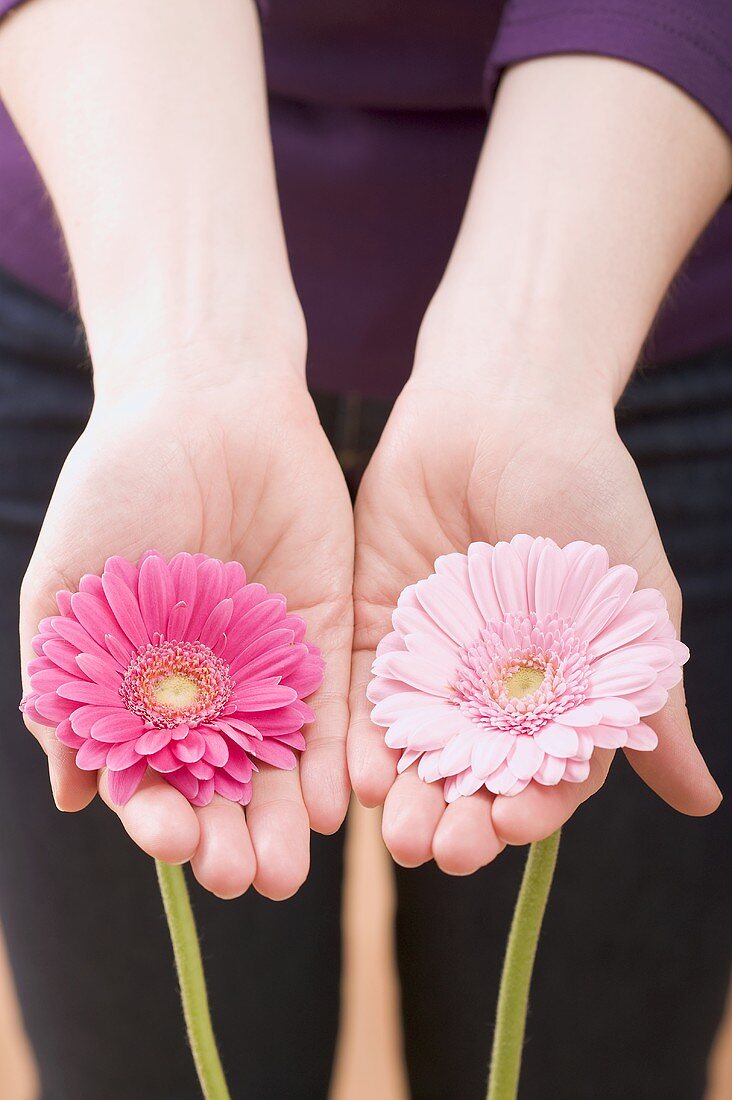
column 178, row 666
column 515, row 661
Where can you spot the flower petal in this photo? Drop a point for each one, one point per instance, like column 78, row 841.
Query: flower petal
column 586, row 566
column 164, row 760
column 641, row 736
column 260, row 619
column 480, row 572
column 81, row 691
column 429, row 768
column 92, row 755
column 191, row 748
column 184, row 781
column 49, row 679
column 126, row 609
column 648, row 701
column 525, row 757
column 444, row 602
column 65, row 734
column 551, row 573
column 608, row 737
column 615, row 712
column 551, row 771
column 576, row 771
column 228, row 787
column 401, row 703
column 121, row 725
column 272, row 752
column 582, row 715
column 618, row 679
column 94, row 615
column 509, row 579
column 455, row 757
column 406, row 760
column 156, row 593
column 125, row 570
column 414, row 671
column 501, row 781
column 184, row 572
column 102, row 670
column 217, row 623
column 122, row 785
column 52, row 708
column 259, row 696
column 62, row 654
column 205, row 792
column 618, row 584
column 217, row 751
column 435, row 648
column 122, row 756
column 489, row 752
column 557, row 740
column 152, row 741
column 624, row 629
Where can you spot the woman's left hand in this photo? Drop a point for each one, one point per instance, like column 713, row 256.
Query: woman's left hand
column 458, row 464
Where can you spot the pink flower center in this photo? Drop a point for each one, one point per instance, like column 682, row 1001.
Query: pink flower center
column 521, row 672
column 176, row 682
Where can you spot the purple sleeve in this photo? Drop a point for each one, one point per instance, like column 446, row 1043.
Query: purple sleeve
column 688, row 43
column 8, row 5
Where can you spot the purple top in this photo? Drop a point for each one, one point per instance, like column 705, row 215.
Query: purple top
column 378, row 114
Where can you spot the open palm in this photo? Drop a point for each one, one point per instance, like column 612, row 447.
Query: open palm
column 451, row 469
column 242, row 472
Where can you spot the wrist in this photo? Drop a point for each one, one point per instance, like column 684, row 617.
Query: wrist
column 256, row 339
column 513, row 352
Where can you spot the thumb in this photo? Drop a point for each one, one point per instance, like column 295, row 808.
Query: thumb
column 675, row 769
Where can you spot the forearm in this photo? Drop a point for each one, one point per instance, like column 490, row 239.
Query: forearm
column 149, row 125
column 595, row 180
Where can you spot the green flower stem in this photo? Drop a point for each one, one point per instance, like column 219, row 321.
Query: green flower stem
column 513, row 996
column 192, row 981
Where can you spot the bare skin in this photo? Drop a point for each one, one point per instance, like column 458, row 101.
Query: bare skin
column 145, row 473
column 150, row 127
column 576, row 224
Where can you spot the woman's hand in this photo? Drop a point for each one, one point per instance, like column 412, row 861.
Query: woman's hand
column 458, row 464
column 239, row 470
column 580, row 214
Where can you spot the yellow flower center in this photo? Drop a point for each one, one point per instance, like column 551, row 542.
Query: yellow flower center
column 524, row 681
column 177, row 692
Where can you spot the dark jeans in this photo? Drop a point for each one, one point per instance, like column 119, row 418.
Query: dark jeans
column 633, row 965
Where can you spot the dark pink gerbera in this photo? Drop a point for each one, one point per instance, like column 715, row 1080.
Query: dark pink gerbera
column 178, row 666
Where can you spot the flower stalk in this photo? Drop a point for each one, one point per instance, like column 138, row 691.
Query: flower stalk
column 518, row 965
column 187, row 954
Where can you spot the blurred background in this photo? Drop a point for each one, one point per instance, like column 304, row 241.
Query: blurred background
column 369, row 1060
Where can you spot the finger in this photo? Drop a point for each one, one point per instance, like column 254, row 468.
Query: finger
column 539, row 811
column 158, row 818
column 675, row 769
column 372, row 765
column 412, row 811
column 72, row 788
column 224, row 861
column 280, row 831
column 465, row 838
column 323, row 769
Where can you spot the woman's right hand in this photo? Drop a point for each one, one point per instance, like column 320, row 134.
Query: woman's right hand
column 240, row 470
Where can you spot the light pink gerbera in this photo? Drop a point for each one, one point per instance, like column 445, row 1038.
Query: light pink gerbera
column 515, row 661
column 178, row 666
